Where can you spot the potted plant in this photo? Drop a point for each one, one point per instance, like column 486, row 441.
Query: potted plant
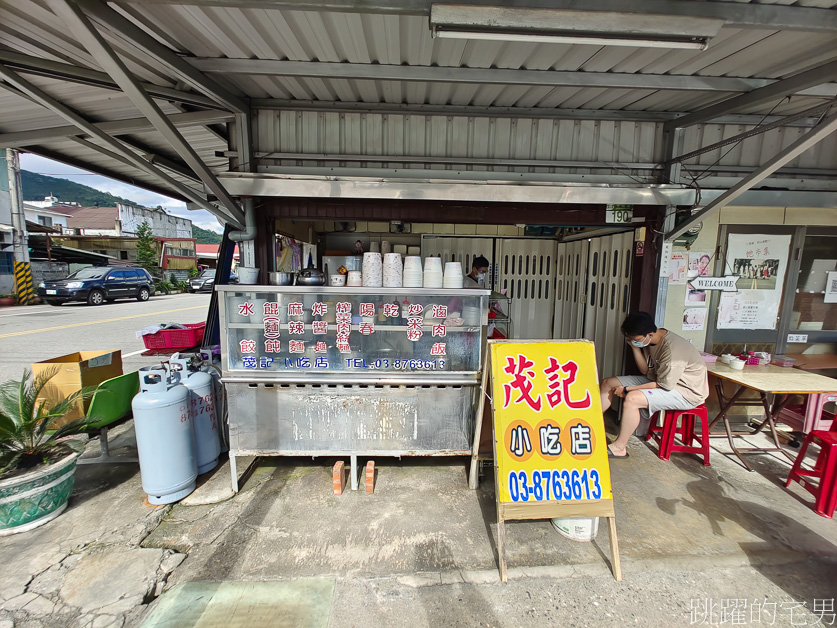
column 37, row 466
column 8, row 299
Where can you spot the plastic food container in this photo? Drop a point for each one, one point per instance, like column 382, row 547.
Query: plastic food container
column 783, row 360
column 737, row 364
column 337, row 280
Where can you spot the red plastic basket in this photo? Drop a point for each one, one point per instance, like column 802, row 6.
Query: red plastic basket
column 187, row 338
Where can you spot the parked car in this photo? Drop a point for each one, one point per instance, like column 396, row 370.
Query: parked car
column 205, row 282
column 97, row 284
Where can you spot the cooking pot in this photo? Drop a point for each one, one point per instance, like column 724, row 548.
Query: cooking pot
column 310, row 277
column 281, row 279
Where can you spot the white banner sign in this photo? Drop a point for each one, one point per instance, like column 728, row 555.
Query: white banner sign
column 727, row 284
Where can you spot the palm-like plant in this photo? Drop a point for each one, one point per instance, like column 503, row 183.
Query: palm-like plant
column 25, row 423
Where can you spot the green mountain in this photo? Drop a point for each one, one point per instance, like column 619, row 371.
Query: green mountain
column 36, row 187
column 205, row 236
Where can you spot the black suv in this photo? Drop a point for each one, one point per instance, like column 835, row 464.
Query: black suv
column 97, row 284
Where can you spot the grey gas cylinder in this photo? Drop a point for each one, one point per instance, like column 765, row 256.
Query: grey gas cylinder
column 202, row 408
column 165, row 437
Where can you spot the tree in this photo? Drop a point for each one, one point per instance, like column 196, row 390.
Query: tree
column 146, row 247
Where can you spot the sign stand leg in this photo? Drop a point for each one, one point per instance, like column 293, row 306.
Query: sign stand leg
column 501, row 547
column 614, row 549
column 473, row 477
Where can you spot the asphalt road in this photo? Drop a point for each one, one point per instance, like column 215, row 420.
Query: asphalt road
column 40, row 332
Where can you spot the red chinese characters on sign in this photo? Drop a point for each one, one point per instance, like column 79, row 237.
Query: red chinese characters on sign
column 439, row 330
column 343, row 347
column 271, row 327
column 294, row 309
column 296, row 327
column 560, row 386
column 296, row 346
column 245, row 309
column 367, row 329
column 344, row 318
column 319, row 309
column 391, row 310
column 343, row 330
column 319, row 327
column 522, row 376
column 367, row 309
column 415, row 309
column 344, row 307
column 438, row 348
column 272, row 346
column 414, row 335
column 247, row 346
column 414, row 322
column 321, row 347
column 440, row 311
column 271, row 308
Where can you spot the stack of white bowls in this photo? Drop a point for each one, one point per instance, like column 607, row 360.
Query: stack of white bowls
column 373, row 270
column 453, row 278
column 354, row 279
column 470, row 315
column 393, row 270
column 433, row 277
column 412, row 272
column 386, row 247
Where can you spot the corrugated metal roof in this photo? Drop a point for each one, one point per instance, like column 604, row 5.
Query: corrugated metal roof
column 377, row 39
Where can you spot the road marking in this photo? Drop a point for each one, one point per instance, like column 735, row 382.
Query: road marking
column 128, row 355
column 27, row 312
column 106, row 320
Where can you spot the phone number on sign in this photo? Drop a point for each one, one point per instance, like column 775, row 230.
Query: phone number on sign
column 403, row 365
column 557, row 484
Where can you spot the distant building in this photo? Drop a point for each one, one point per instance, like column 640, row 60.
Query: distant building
column 125, row 220
column 47, row 217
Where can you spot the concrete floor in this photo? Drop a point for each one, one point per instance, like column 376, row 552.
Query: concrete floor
column 421, row 550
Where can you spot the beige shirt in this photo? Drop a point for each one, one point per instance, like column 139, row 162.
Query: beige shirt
column 675, row 364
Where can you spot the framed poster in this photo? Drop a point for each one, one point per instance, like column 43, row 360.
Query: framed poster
column 761, row 262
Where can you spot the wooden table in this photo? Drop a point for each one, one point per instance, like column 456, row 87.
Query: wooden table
column 814, row 361
column 765, row 380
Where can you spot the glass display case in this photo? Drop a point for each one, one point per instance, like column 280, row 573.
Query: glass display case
column 351, row 371
column 363, row 334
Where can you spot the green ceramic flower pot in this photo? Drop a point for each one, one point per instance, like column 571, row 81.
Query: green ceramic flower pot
column 31, row 500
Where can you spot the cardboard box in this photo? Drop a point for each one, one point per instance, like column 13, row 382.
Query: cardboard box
column 74, row 372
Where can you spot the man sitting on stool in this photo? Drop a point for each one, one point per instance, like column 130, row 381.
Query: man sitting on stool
column 673, row 377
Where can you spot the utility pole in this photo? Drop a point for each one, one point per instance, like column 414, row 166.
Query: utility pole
column 23, row 270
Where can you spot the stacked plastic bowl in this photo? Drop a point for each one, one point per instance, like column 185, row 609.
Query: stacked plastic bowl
column 433, row 276
column 373, row 270
column 354, row 279
column 412, row 277
column 453, row 279
column 393, row 270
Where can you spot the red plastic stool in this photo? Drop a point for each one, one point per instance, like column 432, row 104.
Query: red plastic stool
column 666, row 435
column 825, row 469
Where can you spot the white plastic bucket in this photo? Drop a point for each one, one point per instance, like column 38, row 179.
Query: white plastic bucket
column 248, row 276
column 581, row 529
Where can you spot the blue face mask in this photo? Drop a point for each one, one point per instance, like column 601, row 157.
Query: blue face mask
column 639, row 344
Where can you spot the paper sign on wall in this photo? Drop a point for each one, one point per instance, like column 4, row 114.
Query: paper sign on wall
column 550, row 447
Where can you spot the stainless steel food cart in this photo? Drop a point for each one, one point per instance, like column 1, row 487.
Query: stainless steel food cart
column 321, row 371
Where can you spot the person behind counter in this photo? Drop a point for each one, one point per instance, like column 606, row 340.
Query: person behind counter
column 476, row 278
column 673, row 377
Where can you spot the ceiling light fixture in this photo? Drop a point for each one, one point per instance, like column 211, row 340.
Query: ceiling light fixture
column 599, row 28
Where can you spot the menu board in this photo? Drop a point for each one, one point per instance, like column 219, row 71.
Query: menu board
column 328, row 331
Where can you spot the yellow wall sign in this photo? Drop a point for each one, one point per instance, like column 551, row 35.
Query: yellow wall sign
column 550, row 443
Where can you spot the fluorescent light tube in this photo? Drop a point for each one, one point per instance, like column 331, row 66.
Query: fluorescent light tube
column 698, row 44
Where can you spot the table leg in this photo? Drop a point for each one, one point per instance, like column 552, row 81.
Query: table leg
column 722, row 416
column 770, row 413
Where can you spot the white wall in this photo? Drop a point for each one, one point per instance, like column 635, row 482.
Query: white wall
column 162, row 224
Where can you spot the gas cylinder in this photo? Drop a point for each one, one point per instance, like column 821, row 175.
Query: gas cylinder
column 202, row 408
column 165, row 437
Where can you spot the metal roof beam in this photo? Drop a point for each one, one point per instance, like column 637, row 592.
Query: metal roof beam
column 735, row 14
column 91, row 39
column 84, row 76
column 114, row 128
column 804, row 80
column 35, row 93
column 769, row 167
column 127, row 30
column 619, row 115
column 111, row 174
column 490, row 76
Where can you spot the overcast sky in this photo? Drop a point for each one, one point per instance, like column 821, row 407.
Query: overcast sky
column 42, row 165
